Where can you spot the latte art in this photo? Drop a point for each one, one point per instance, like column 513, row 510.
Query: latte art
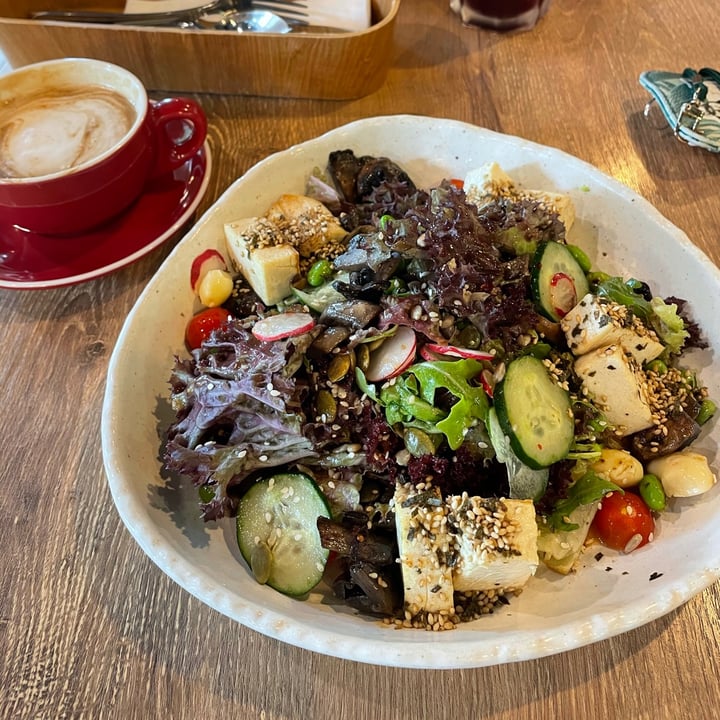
column 60, row 129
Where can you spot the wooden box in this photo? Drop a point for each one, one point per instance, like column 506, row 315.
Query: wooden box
column 304, row 64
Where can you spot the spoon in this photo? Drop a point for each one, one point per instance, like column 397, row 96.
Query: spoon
column 245, row 21
column 294, row 10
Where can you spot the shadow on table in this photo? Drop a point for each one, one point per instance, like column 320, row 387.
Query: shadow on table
column 666, row 157
column 176, row 497
column 423, row 45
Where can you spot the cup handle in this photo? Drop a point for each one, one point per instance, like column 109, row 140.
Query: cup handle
column 180, row 128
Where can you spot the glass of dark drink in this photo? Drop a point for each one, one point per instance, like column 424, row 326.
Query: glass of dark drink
column 504, row 15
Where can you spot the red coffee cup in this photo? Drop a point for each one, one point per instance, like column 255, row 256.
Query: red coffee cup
column 79, row 140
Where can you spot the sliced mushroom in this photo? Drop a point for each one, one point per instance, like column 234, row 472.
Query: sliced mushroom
column 366, row 248
column 343, row 539
column 681, row 431
column 343, row 167
column 375, row 171
column 359, row 245
column 353, row 314
column 329, row 339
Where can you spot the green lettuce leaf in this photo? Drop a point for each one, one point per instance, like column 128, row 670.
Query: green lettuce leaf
column 411, row 399
column 656, row 313
column 668, row 324
column 404, row 404
column 454, row 376
column 588, row 489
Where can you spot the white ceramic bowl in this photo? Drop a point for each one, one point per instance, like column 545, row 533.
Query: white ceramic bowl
column 555, row 613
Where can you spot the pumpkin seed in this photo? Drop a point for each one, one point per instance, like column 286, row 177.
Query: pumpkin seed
column 375, row 344
column 339, row 367
column 362, row 357
column 326, row 405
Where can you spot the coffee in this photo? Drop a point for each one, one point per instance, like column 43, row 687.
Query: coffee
column 80, row 141
column 60, row 129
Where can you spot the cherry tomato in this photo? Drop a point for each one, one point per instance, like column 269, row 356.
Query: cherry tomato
column 202, row 324
column 623, row 522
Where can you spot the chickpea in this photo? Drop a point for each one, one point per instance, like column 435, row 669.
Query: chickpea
column 683, row 474
column 619, row 467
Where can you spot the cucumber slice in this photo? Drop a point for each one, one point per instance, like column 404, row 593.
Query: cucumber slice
column 277, row 532
column 534, row 412
column 558, row 282
column 318, row 298
column 525, row 483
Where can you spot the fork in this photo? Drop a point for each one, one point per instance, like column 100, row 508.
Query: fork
column 287, row 9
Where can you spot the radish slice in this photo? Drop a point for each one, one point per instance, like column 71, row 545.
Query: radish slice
column 563, row 294
column 427, row 354
column 487, row 380
column 204, row 262
column 459, row 352
column 392, row 357
column 285, row 325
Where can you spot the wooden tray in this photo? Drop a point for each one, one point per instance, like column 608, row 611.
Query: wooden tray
column 336, row 66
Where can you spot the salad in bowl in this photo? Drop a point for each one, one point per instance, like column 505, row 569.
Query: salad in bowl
column 411, row 398
column 605, row 591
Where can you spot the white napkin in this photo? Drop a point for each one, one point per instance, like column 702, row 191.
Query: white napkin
column 351, row 15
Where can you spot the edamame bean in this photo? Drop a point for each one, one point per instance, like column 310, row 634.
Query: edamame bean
column 657, row 366
column 652, row 492
column 707, row 410
column 469, row 337
column 581, row 257
column 384, row 222
column 539, row 350
column 597, row 277
column 319, row 272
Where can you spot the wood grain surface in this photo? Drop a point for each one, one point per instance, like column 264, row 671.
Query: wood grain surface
column 307, row 64
column 90, row 628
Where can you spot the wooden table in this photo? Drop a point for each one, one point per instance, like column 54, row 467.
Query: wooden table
column 90, row 628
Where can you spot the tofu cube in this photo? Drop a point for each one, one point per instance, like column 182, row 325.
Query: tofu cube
column 495, row 541
column 424, row 548
column 491, row 181
column 595, row 323
column 616, row 383
column 307, row 224
column 561, row 203
column 486, row 182
column 269, row 268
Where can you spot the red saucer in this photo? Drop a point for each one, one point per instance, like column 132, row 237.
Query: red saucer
column 29, row 261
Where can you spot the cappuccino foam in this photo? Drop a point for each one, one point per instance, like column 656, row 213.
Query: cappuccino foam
column 60, row 129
